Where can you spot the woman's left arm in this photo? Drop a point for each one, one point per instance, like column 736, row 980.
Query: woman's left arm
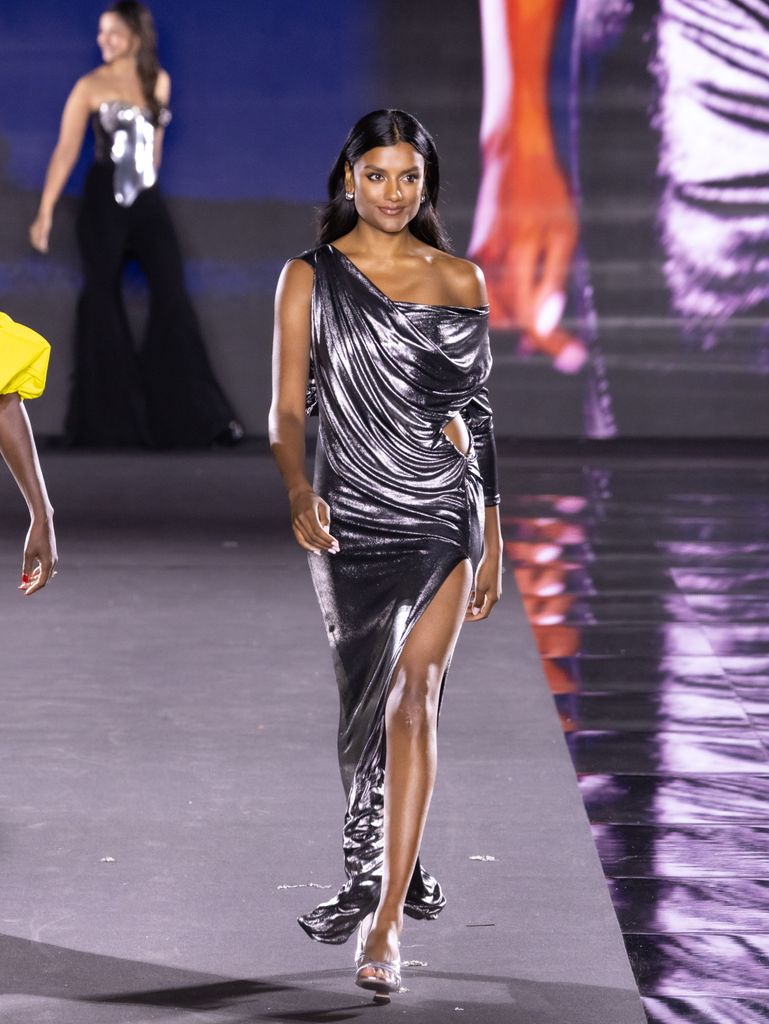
column 163, row 96
column 488, row 580
column 487, row 588
column 17, row 447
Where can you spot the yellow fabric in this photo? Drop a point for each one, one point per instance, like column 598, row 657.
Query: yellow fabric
column 23, row 359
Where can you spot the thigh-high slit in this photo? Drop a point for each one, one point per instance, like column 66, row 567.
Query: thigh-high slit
column 373, row 593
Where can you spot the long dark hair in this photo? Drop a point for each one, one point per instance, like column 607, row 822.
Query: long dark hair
column 139, row 20
column 384, row 128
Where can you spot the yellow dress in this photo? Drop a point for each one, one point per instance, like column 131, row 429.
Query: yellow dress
column 23, row 359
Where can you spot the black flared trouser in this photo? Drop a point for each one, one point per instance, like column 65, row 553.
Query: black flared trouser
column 164, row 392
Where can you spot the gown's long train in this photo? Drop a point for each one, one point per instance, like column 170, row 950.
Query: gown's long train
column 406, row 507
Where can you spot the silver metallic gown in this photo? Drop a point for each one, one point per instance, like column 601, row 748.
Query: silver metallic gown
column 406, row 507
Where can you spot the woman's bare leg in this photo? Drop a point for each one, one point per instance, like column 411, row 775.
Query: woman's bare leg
column 411, row 718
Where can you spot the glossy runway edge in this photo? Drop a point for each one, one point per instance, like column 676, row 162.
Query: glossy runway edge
column 646, row 586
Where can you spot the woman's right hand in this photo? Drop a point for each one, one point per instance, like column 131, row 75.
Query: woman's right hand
column 40, row 231
column 40, row 555
column 310, row 519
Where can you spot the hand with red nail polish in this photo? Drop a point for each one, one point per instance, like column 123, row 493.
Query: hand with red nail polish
column 40, row 556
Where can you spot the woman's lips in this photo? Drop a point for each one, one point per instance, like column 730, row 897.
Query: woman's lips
column 391, row 211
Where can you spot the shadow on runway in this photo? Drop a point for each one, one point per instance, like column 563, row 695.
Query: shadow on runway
column 74, row 980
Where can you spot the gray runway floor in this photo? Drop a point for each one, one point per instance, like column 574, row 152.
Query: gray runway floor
column 169, row 796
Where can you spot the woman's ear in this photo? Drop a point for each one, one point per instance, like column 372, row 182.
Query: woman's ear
column 349, row 179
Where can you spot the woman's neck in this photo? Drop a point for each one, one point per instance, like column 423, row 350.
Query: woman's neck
column 383, row 245
column 122, row 68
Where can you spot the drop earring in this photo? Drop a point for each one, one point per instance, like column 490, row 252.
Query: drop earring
column 423, row 198
column 349, row 195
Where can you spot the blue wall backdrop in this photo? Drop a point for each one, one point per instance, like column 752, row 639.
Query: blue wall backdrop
column 260, row 89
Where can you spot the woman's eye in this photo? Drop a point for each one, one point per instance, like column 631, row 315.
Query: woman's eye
column 374, row 176
column 411, row 178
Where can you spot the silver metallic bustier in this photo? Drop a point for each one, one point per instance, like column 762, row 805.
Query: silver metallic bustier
column 132, row 148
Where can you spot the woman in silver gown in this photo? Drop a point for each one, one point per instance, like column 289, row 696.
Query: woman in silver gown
column 384, row 334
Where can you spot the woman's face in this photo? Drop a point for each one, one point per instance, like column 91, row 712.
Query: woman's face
column 388, row 183
column 115, row 39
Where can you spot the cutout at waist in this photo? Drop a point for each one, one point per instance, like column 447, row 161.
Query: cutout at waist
column 457, row 433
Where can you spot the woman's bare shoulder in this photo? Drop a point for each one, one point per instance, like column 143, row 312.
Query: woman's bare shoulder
column 163, row 87
column 96, row 74
column 464, row 280
column 85, row 92
column 96, row 78
column 296, row 279
column 91, row 80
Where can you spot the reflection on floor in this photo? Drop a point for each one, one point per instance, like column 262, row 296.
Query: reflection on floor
column 647, row 587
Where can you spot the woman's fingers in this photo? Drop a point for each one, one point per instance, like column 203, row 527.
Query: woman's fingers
column 485, row 593
column 39, row 578
column 481, row 606
column 38, row 236
column 304, row 541
column 485, row 610
column 557, row 252
column 311, row 535
column 36, row 572
column 313, row 530
column 323, row 515
column 311, row 527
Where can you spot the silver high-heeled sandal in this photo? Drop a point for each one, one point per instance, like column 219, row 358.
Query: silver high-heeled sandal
column 382, row 987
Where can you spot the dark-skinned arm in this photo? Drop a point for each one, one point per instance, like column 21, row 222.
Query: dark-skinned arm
column 310, row 514
column 17, row 446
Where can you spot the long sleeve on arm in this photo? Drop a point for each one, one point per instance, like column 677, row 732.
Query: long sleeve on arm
column 478, row 417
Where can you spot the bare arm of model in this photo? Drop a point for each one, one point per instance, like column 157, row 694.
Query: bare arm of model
column 310, row 515
column 163, row 96
column 17, row 446
column 74, row 119
column 487, row 588
column 466, row 283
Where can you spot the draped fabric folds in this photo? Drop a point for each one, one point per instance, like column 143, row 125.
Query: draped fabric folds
column 406, row 507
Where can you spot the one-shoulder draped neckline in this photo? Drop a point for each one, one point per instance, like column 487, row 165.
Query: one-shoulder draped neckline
column 477, row 310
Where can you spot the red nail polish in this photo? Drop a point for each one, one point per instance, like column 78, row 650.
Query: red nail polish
column 24, row 577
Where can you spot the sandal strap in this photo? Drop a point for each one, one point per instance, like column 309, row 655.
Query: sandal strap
column 381, row 965
column 362, row 935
